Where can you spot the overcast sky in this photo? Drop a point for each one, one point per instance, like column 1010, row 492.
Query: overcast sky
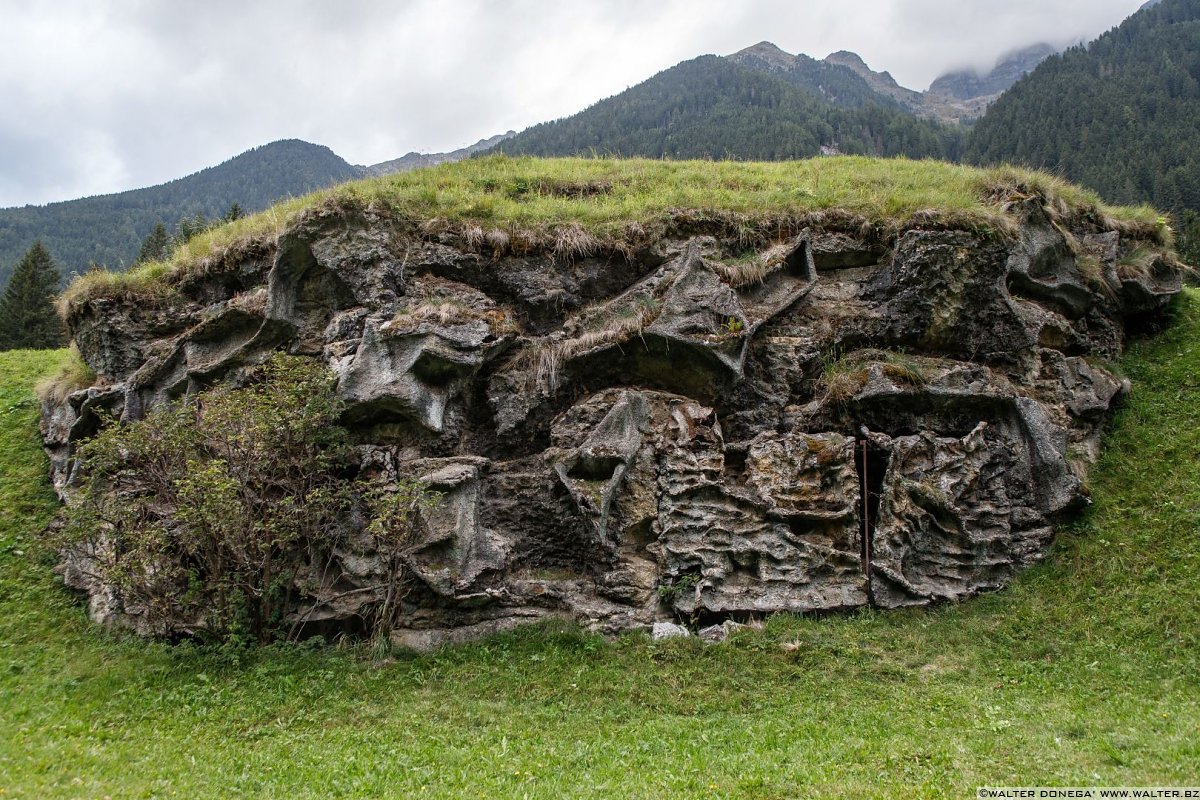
column 99, row 96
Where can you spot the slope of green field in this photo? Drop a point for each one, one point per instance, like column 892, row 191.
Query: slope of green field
column 1085, row 672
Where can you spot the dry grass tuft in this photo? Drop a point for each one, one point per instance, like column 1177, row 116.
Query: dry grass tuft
column 903, row 368
column 840, row 384
column 472, row 236
column 745, row 273
column 253, row 302
column 450, row 311
column 845, row 376
column 1092, row 269
column 1154, row 230
column 443, row 312
column 542, row 362
column 523, row 241
column 498, row 240
column 754, row 270
column 572, row 241
column 71, row 376
column 1087, row 262
column 1138, row 263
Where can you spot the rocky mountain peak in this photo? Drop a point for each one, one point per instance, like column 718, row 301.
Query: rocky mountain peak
column 415, row 160
column 954, row 97
column 879, row 80
column 968, row 84
column 847, row 58
column 767, row 53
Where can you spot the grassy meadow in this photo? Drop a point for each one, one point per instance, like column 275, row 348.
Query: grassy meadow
column 1085, row 672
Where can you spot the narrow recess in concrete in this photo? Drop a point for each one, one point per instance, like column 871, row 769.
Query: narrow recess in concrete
column 871, row 464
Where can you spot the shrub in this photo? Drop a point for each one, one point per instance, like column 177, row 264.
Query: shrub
column 394, row 511
column 200, row 515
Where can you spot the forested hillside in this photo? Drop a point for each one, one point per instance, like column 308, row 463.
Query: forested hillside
column 712, row 107
column 1119, row 115
column 109, row 229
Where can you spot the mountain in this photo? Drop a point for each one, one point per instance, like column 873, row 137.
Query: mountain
column 1118, row 115
column 108, row 229
column 923, row 104
column 1011, row 67
column 955, row 97
column 881, row 83
column 417, row 160
column 760, row 103
column 831, row 81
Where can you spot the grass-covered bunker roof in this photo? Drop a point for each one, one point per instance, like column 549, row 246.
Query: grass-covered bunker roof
column 578, row 206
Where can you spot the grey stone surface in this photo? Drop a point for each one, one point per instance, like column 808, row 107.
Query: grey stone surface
column 652, row 436
column 668, row 630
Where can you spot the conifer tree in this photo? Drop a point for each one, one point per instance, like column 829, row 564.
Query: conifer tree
column 191, row 227
column 155, row 246
column 27, row 317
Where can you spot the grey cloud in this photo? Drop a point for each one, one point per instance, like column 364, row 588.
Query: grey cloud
column 105, row 95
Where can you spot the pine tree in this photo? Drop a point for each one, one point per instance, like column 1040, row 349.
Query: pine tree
column 190, row 227
column 155, row 246
column 27, row 317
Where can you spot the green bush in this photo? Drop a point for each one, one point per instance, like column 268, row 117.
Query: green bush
column 201, row 514
column 393, row 508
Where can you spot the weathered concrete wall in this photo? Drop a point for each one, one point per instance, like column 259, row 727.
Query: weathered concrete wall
column 677, row 434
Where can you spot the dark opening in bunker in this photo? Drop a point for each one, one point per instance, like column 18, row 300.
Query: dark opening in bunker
column 871, row 463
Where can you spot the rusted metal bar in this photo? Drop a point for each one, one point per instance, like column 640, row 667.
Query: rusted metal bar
column 868, row 532
column 866, row 513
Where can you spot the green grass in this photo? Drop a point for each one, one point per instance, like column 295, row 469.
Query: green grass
column 1084, row 672
column 576, row 206
column 72, row 374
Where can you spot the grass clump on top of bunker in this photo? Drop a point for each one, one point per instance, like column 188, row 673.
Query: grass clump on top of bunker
column 572, row 207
